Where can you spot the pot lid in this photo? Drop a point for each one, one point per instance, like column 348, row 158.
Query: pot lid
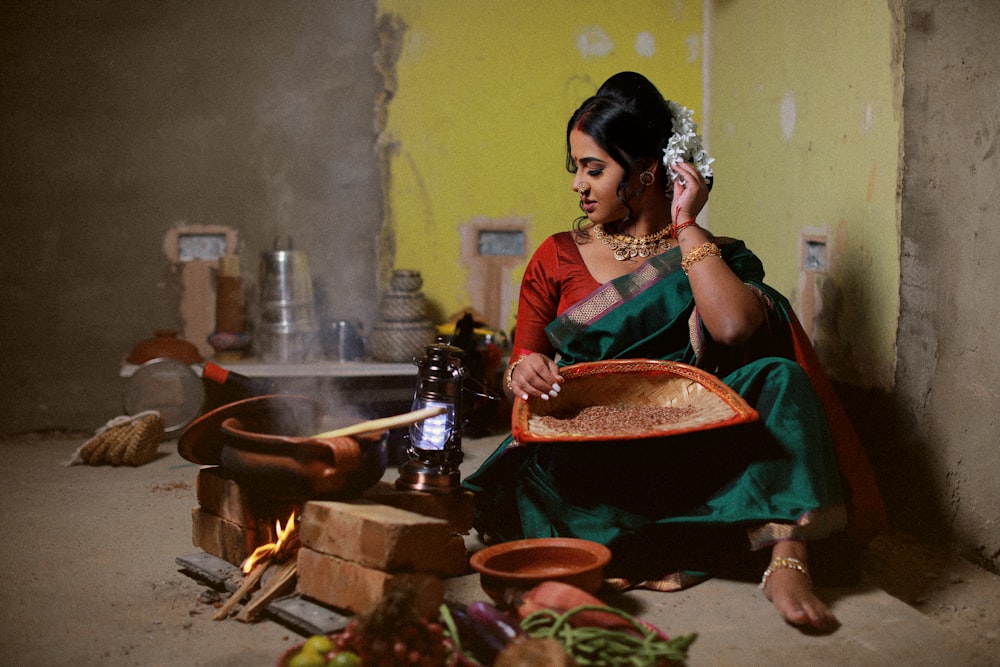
column 170, row 387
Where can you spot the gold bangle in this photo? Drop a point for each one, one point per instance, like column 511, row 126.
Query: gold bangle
column 698, row 254
column 509, row 375
column 787, row 563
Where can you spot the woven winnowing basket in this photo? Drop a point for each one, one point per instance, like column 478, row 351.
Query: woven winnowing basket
column 623, row 383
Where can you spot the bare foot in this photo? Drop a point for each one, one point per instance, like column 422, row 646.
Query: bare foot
column 791, row 593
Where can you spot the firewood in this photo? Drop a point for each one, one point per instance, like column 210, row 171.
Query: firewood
column 278, row 583
column 249, row 582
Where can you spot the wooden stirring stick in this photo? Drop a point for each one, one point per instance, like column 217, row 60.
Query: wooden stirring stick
column 383, row 423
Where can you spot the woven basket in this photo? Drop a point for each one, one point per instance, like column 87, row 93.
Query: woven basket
column 406, row 280
column 706, row 402
column 403, row 306
column 401, row 342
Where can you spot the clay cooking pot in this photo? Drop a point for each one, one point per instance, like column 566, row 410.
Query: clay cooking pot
column 257, row 440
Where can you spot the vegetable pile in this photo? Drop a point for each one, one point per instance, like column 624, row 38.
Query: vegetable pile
column 591, row 632
column 550, row 625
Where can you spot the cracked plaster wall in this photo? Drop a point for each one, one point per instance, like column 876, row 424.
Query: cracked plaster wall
column 947, row 459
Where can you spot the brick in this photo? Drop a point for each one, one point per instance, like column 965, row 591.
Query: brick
column 382, row 537
column 357, row 589
column 222, row 539
column 454, row 559
column 455, row 508
column 221, row 495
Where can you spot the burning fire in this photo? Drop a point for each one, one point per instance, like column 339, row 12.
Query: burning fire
column 286, row 541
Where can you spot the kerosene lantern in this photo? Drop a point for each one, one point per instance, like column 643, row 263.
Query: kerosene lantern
column 434, row 445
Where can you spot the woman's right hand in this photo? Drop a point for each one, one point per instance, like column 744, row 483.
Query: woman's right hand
column 534, row 375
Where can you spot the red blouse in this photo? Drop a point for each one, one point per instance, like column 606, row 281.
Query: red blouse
column 555, row 279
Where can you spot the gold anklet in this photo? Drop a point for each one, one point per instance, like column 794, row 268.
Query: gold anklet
column 787, row 563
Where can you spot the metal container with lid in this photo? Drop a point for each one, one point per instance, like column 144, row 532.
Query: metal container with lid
column 287, row 330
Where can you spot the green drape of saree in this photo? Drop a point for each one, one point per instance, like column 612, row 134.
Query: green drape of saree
column 772, row 480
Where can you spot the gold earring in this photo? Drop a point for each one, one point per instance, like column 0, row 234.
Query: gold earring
column 647, row 177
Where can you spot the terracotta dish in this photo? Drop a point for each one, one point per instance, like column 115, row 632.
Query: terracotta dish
column 522, row 564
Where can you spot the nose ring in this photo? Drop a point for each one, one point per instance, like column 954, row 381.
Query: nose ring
column 583, row 188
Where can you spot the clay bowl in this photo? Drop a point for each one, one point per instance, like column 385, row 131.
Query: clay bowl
column 522, row 564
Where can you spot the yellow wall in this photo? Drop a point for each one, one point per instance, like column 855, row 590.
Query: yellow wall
column 805, row 123
column 483, row 90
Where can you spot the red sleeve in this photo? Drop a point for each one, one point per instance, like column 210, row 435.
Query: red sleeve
column 539, row 300
column 555, row 279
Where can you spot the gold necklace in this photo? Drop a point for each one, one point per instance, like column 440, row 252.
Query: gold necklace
column 628, row 247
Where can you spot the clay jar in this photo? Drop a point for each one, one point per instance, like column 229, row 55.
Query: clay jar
column 164, row 345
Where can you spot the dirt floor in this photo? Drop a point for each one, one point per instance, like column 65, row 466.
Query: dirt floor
column 89, row 577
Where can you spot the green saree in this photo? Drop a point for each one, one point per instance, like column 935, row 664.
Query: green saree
column 667, row 504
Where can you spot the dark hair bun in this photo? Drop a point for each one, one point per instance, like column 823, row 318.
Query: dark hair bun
column 634, row 90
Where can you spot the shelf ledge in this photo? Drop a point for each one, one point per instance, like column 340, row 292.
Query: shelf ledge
column 332, row 369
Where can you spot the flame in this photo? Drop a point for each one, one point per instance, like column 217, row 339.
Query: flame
column 286, row 540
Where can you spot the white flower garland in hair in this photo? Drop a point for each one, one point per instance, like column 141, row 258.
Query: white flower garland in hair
column 685, row 143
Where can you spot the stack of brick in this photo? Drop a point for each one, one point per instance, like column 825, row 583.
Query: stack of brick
column 353, row 553
column 229, row 523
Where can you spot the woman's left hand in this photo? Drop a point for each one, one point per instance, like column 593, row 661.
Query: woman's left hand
column 690, row 193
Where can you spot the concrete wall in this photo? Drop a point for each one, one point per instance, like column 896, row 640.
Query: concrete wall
column 121, row 121
column 944, row 458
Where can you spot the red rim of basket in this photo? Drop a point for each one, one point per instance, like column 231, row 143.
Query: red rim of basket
column 742, row 412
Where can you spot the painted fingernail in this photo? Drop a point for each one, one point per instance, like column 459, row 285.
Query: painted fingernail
column 556, row 388
column 545, row 397
column 524, row 397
